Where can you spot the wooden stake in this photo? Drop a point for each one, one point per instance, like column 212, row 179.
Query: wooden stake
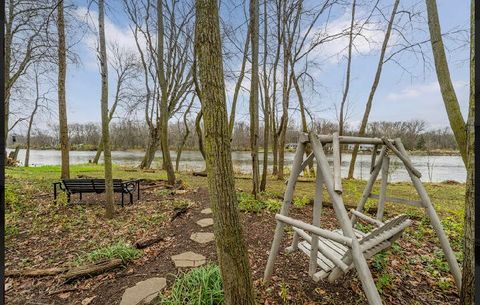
column 358, row 259
column 434, row 220
column 337, row 171
column 287, row 200
column 383, row 188
column 374, row 155
column 401, row 156
column 317, row 212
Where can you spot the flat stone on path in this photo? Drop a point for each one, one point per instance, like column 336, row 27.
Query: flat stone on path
column 205, row 222
column 143, row 292
column 206, row 211
column 202, row 237
column 189, row 259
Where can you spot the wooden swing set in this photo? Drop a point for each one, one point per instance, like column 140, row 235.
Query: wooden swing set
column 336, row 252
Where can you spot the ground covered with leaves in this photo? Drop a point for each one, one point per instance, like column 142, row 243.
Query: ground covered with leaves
column 42, row 234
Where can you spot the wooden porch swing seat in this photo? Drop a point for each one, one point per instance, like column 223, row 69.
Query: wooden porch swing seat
column 333, row 253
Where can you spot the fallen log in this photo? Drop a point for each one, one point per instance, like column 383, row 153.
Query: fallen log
column 36, row 272
column 200, row 174
column 147, row 242
column 92, row 269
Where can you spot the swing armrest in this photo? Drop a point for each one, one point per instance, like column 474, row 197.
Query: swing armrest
column 366, row 218
column 315, row 230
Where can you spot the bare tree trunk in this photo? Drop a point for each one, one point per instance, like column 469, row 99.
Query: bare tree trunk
column 467, row 294
column 152, row 146
column 107, row 156
column 238, row 85
column 185, row 136
column 30, row 121
column 231, row 249
column 164, row 114
column 376, row 80
column 341, row 121
column 254, row 26
column 266, row 115
column 62, row 104
column 198, row 130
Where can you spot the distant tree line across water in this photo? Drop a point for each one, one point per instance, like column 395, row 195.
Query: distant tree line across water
column 127, row 134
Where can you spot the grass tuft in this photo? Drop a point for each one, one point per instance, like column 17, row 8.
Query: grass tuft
column 119, row 249
column 199, row 286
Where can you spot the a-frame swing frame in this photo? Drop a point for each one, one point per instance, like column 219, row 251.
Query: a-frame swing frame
column 332, row 182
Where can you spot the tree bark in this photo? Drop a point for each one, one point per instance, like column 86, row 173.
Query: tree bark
column 266, row 115
column 107, row 156
column 30, row 121
column 152, row 146
column 62, row 104
column 467, row 294
column 378, row 73
column 164, row 114
column 457, row 123
column 185, row 136
column 198, row 130
column 341, row 121
column 254, row 26
column 231, row 249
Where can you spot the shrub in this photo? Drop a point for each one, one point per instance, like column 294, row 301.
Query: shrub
column 119, row 249
column 199, row 286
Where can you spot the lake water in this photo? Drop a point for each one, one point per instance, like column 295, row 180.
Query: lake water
column 442, row 167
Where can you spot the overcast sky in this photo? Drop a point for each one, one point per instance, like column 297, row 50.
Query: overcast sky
column 400, row 96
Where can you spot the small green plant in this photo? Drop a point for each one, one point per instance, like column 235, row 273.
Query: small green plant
column 300, row 202
column 11, row 198
column 380, row 260
column 10, row 230
column 119, row 249
column 444, row 284
column 284, row 292
column 200, row 286
column 383, row 281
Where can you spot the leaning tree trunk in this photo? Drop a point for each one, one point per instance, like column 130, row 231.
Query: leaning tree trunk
column 368, row 107
column 107, row 155
column 185, row 136
column 341, row 121
column 231, row 249
column 152, row 146
column 254, row 26
column 30, row 122
column 62, row 104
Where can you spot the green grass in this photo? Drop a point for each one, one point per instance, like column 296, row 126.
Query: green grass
column 120, row 250
column 199, row 286
column 248, row 203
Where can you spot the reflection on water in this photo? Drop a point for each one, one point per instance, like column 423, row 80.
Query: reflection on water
column 442, row 167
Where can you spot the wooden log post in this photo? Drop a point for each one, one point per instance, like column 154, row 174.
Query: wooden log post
column 317, row 212
column 383, row 188
column 287, row 200
column 374, row 156
column 337, row 171
column 434, row 220
column 368, row 188
column 406, row 161
column 358, row 259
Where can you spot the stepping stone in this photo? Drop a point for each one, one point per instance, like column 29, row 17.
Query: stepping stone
column 202, row 237
column 143, row 292
column 206, row 211
column 205, row 222
column 189, row 259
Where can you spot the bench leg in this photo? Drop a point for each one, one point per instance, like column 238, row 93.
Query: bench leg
column 80, row 196
column 55, row 193
column 122, row 199
column 68, row 197
column 138, row 190
column 131, row 198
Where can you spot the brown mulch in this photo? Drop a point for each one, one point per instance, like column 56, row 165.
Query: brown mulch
column 411, row 284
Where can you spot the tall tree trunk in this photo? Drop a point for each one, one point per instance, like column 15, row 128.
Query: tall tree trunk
column 341, row 121
column 266, row 115
column 467, row 294
column 62, row 104
column 254, row 26
column 231, row 249
column 30, row 121
column 152, row 146
column 238, row 85
column 198, row 130
column 376, row 80
column 107, row 156
column 185, row 136
column 164, row 114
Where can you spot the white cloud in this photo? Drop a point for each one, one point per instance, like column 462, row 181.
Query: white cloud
column 423, row 92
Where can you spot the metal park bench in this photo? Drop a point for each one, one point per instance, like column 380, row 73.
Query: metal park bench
column 82, row 186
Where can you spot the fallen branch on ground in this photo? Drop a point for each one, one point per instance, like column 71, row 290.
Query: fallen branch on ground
column 92, row 269
column 147, row 242
column 36, row 272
